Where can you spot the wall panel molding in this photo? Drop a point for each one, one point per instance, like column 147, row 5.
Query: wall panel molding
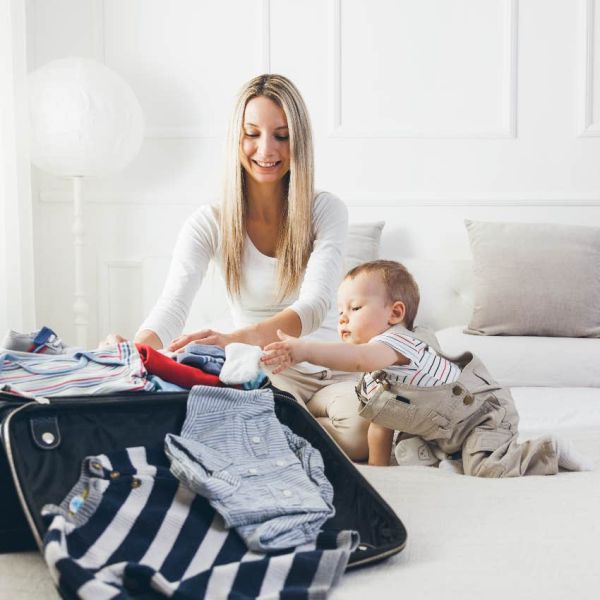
column 509, row 77
column 190, row 199
column 589, row 127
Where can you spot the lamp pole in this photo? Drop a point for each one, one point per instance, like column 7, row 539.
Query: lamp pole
column 80, row 305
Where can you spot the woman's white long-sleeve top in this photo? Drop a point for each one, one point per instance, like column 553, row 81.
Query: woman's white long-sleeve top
column 314, row 299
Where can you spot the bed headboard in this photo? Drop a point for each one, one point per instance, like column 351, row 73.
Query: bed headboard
column 430, row 240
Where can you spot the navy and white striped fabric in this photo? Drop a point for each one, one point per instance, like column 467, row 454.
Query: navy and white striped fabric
column 426, row 368
column 129, row 528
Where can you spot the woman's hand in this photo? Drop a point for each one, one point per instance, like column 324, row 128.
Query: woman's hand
column 281, row 355
column 208, row 337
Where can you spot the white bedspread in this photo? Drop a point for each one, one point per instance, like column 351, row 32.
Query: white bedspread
column 470, row 538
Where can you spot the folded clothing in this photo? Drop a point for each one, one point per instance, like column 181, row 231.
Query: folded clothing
column 208, row 358
column 42, row 341
column 113, row 369
column 170, row 370
column 264, row 480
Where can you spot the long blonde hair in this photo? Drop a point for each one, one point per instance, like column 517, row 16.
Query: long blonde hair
column 296, row 236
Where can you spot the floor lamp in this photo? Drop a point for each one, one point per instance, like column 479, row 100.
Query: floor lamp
column 85, row 121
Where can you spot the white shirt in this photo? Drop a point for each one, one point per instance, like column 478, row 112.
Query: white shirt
column 314, row 300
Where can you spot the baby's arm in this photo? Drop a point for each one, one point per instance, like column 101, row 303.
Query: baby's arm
column 380, row 440
column 333, row 355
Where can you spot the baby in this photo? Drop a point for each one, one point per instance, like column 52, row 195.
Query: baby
column 451, row 406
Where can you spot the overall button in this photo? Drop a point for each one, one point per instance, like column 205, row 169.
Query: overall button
column 287, row 493
column 114, row 474
column 256, row 439
column 96, row 465
column 468, row 400
column 279, row 463
column 252, row 471
column 457, row 390
column 135, row 483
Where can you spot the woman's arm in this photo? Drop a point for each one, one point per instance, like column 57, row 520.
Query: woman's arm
column 259, row 334
column 325, row 266
column 145, row 336
column 195, row 246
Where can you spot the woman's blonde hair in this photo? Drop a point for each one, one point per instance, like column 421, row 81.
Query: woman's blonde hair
column 296, row 236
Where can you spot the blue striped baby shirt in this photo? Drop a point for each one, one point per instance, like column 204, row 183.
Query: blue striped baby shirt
column 264, row 480
column 112, row 369
column 129, row 528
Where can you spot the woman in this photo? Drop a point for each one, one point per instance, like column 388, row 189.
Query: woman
column 279, row 247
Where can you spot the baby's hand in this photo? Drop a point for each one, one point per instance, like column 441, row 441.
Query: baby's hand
column 281, row 355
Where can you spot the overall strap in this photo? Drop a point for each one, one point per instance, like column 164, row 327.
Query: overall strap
column 423, row 334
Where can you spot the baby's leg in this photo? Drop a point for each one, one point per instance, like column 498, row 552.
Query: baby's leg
column 380, row 440
column 496, row 453
column 492, row 450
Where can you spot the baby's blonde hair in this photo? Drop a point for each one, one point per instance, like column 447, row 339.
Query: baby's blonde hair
column 296, row 236
column 399, row 285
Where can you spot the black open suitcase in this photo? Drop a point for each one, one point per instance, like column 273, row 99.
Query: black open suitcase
column 44, row 444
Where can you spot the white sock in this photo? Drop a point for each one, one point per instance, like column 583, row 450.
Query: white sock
column 242, row 363
column 414, row 451
column 571, row 459
column 452, row 466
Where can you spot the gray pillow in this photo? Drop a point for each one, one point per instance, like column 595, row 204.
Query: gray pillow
column 362, row 244
column 535, row 279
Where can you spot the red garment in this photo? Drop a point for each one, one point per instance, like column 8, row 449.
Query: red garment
column 170, row 370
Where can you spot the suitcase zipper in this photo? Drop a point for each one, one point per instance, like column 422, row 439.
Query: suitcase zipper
column 13, row 471
column 16, row 393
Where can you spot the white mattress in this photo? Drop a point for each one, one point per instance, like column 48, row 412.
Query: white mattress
column 530, row 360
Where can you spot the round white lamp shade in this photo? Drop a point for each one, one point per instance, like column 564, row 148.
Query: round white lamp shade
column 85, row 119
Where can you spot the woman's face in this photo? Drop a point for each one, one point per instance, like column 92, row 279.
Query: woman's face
column 265, row 143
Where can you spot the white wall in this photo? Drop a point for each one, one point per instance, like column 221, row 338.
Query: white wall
column 424, row 112
column 16, row 249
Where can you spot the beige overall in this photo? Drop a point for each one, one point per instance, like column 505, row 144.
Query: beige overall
column 474, row 415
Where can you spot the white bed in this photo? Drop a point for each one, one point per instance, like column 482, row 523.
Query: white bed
column 469, row 538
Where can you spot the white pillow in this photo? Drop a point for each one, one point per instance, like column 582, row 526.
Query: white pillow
column 530, row 361
column 535, row 279
column 362, row 243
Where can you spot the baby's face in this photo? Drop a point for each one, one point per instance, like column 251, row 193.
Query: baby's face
column 363, row 308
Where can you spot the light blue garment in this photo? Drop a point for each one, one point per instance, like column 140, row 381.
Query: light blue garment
column 208, row 358
column 264, row 480
column 160, row 385
column 255, row 383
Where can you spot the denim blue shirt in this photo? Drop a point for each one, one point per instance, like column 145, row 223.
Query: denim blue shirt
column 263, row 479
column 208, row 358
